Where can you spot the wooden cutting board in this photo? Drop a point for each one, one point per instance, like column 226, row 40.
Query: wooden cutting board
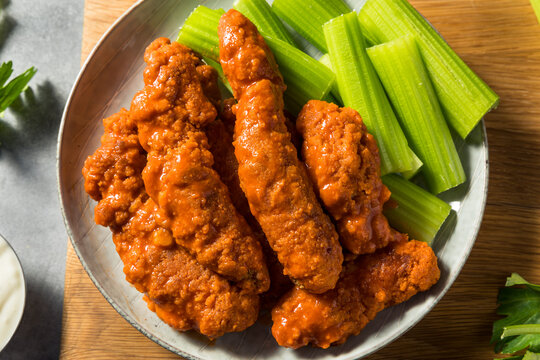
column 500, row 40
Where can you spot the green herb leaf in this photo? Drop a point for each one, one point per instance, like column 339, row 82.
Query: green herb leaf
column 531, row 356
column 516, row 279
column 15, row 87
column 520, row 302
column 5, row 72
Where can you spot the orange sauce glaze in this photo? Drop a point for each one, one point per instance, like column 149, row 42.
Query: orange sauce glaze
column 367, row 285
column 343, row 162
column 278, row 190
column 171, row 113
column 169, row 121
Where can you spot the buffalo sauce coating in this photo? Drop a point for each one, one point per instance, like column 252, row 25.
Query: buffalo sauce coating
column 276, row 185
column 182, row 292
column 343, row 161
column 220, row 137
column 111, row 172
column 368, row 285
column 171, row 113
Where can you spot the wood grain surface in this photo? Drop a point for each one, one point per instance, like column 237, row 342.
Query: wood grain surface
column 500, row 40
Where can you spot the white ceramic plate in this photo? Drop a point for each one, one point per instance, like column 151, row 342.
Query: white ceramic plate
column 107, row 82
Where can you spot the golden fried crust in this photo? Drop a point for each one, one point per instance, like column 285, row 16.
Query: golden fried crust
column 227, row 115
column 221, row 146
column 209, row 81
column 226, row 165
column 276, row 185
column 368, row 285
column 173, row 97
column 171, row 113
column 244, row 55
column 182, row 292
column 343, row 161
column 109, row 172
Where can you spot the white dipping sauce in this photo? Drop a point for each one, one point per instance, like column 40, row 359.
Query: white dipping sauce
column 12, row 293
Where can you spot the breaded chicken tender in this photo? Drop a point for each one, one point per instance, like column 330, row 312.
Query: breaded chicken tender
column 275, row 182
column 343, row 161
column 220, row 137
column 171, row 112
column 110, row 173
column 368, row 285
column 182, row 292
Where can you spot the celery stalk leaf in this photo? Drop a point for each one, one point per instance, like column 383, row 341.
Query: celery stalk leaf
column 525, row 329
column 520, row 302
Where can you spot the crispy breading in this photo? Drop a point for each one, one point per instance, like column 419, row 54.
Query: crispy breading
column 110, row 172
column 183, row 293
column 368, row 285
column 220, row 137
column 343, row 162
column 275, row 182
column 171, row 112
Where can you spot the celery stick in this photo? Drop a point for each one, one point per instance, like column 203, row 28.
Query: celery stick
column 416, row 167
column 361, row 90
column 308, row 16
column 325, row 60
column 419, row 213
column 199, row 32
column 261, row 14
column 401, row 70
column 464, row 97
column 306, row 78
column 536, row 7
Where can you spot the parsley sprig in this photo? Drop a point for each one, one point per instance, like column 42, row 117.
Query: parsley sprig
column 519, row 300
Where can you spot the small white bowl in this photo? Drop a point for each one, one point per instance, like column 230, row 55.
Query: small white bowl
column 12, row 292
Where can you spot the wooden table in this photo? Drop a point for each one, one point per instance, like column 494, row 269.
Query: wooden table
column 500, row 40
